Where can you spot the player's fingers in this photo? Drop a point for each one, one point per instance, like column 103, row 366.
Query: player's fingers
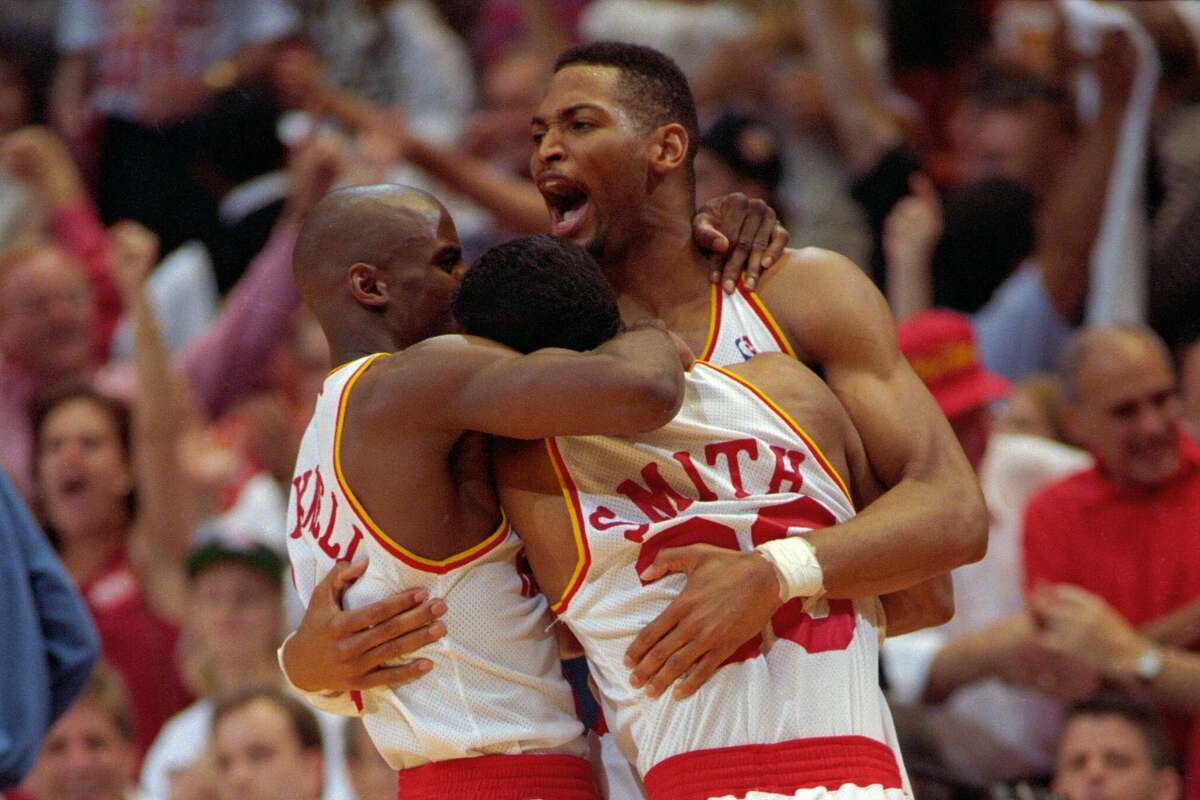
column 758, row 251
column 650, row 636
column 706, row 234
column 775, row 247
column 397, row 676
column 399, row 648
column 368, row 616
column 409, row 622
column 343, row 574
column 700, row 672
column 674, row 667
column 672, row 559
column 741, row 251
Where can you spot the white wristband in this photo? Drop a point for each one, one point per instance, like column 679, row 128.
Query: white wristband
column 796, row 565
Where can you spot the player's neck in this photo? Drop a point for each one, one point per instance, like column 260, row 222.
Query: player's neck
column 662, row 269
column 362, row 340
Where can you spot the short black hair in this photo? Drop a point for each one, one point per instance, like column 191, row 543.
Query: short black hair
column 536, row 292
column 658, row 91
column 1137, row 713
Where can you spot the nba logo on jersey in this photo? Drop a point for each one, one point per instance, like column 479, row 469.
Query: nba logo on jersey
column 745, row 347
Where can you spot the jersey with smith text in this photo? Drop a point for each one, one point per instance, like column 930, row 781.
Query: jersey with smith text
column 734, row 471
column 496, row 686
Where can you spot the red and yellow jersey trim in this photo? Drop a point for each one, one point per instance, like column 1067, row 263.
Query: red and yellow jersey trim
column 583, row 554
column 438, row 566
column 714, row 322
column 791, row 423
column 760, row 308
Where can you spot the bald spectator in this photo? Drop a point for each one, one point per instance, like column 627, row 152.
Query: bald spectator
column 1189, row 375
column 1115, row 747
column 1125, row 530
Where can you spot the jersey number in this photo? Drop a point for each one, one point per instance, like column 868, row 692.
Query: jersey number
column 834, row 631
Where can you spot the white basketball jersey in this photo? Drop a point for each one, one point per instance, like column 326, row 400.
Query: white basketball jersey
column 731, row 470
column 496, row 686
column 740, row 327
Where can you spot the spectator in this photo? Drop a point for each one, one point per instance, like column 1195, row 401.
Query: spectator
column 233, row 624
column 154, row 66
column 119, row 514
column 739, row 154
column 1125, row 529
column 1115, row 747
column 1046, row 295
column 90, row 750
column 375, row 59
column 970, row 710
column 1189, row 374
column 266, row 746
column 1034, row 408
column 221, row 365
column 49, row 644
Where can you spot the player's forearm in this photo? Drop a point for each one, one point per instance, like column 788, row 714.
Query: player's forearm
column 631, row 384
column 925, row 605
column 913, row 532
column 515, row 202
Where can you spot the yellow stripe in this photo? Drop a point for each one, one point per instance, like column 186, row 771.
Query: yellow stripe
column 772, row 324
column 837, row 478
column 711, row 341
column 576, row 529
column 358, row 507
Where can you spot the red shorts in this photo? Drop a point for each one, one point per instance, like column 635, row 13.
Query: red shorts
column 783, row 768
column 522, row 777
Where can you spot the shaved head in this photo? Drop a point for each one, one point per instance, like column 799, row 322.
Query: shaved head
column 376, row 265
column 372, row 224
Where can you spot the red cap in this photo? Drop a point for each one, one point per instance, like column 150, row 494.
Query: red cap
column 940, row 345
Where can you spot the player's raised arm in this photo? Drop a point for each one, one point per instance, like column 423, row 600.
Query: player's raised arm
column 931, row 516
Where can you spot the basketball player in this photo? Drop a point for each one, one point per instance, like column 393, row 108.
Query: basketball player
column 757, row 452
column 615, row 138
column 384, row 471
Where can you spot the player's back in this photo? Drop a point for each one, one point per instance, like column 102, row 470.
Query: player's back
column 496, row 686
column 757, row 452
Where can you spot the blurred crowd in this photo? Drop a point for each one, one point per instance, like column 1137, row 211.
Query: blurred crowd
column 1020, row 177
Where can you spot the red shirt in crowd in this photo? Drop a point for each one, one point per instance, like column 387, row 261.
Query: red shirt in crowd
column 1138, row 548
column 139, row 644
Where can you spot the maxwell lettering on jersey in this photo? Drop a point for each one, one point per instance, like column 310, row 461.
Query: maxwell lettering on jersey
column 309, row 516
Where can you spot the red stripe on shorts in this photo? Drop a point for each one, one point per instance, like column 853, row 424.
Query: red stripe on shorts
column 520, row 777
column 783, row 768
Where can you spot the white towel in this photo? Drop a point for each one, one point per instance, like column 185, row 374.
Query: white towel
column 1117, row 290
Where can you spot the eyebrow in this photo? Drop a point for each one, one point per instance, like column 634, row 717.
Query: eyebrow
column 568, row 111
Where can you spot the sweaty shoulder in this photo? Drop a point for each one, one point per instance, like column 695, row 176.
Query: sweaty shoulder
column 827, row 306
column 423, row 374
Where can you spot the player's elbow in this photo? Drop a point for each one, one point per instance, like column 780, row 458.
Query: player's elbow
column 971, row 535
column 655, row 398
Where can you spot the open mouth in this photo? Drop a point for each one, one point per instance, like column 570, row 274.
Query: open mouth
column 567, row 202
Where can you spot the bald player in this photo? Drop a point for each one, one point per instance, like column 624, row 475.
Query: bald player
column 386, row 472
column 615, row 139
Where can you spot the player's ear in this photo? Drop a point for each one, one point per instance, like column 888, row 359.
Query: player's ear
column 368, row 285
column 670, row 149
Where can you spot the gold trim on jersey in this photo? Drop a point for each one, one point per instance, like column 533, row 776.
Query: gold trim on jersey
column 808, row 440
column 583, row 555
column 391, row 545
